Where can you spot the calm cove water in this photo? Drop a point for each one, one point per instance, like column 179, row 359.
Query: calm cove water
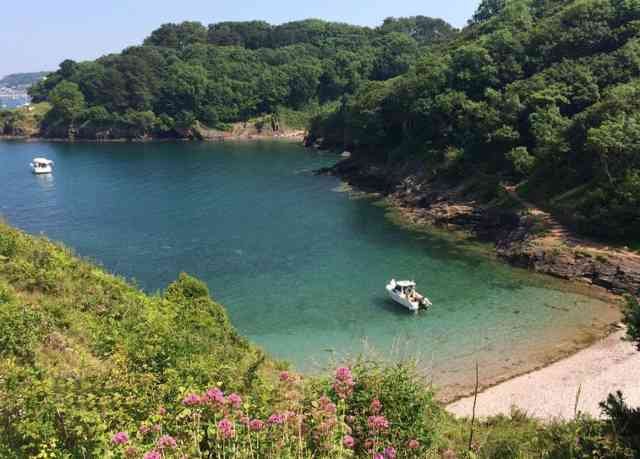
column 300, row 266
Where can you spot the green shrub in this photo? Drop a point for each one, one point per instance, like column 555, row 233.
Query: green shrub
column 20, row 329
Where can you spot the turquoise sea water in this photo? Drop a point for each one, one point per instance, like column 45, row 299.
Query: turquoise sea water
column 300, row 266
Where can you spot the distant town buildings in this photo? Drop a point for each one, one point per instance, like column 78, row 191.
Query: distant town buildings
column 13, row 97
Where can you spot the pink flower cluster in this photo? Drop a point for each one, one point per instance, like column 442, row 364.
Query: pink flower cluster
column 235, row 400
column 192, row 400
column 214, row 397
column 226, row 428
column 376, row 406
column 256, row 425
column 120, row 438
column 277, row 419
column 167, row 441
column 348, row 441
column 343, row 383
column 327, row 405
column 331, row 419
column 378, row 423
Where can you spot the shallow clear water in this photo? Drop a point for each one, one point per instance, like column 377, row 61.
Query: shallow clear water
column 300, row 266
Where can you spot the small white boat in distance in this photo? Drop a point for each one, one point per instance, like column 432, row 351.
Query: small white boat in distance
column 41, row 166
column 404, row 293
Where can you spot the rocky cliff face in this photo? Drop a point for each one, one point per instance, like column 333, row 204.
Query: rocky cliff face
column 616, row 270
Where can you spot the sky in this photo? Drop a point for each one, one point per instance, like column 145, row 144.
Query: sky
column 39, row 34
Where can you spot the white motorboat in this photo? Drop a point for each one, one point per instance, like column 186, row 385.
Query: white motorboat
column 404, row 293
column 41, row 166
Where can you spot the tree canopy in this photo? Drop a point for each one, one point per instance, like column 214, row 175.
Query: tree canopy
column 232, row 71
column 543, row 92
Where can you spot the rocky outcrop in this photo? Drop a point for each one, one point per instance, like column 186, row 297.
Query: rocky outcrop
column 523, row 235
column 618, row 272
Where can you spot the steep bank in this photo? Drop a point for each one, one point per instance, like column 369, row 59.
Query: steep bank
column 522, row 234
column 83, row 351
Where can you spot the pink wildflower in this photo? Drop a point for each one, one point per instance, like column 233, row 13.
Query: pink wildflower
column 244, row 419
column 378, row 456
column 191, row 400
column 130, row 452
column 167, row 441
column 153, row 454
column 215, row 395
column 344, row 374
column 285, row 376
column 235, row 400
column 327, row 405
column 348, row 441
column 390, row 453
column 276, row 419
column 120, row 438
column 162, row 411
column 144, row 429
column 378, row 423
column 256, row 425
column 156, row 428
column 226, row 428
column 413, row 444
column 343, row 384
column 376, row 406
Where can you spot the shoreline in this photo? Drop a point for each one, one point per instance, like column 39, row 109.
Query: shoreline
column 581, row 380
column 232, row 138
column 611, row 273
column 520, row 234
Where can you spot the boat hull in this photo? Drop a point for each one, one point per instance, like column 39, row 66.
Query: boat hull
column 413, row 303
column 42, row 170
column 413, row 307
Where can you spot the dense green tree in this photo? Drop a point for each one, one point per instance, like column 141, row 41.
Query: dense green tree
column 233, row 71
column 178, row 36
column 395, row 52
column 616, row 142
column 487, row 10
column 304, row 79
column 541, row 91
column 424, row 30
column 184, row 89
column 141, row 123
column 67, row 101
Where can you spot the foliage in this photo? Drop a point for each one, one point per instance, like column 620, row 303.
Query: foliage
column 83, row 351
column 67, row 101
column 632, row 320
column 624, row 421
column 92, row 367
column 229, row 72
column 538, row 91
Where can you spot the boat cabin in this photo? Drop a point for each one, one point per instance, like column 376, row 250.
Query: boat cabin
column 41, row 166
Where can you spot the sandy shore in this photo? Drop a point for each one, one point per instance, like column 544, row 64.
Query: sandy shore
column 609, row 365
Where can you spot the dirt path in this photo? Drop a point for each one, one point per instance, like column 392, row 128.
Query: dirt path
column 558, row 234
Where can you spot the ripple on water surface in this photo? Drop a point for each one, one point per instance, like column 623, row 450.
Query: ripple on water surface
column 300, row 267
